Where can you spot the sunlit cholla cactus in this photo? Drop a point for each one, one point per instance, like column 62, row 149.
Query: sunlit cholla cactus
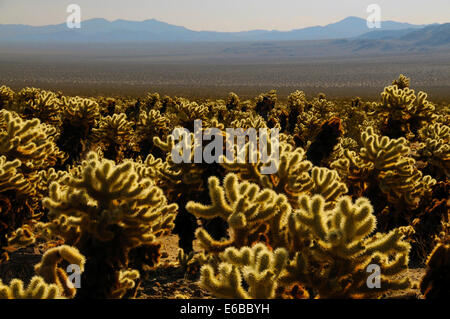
column 45, row 106
column 326, row 251
column 114, row 211
column 333, row 248
column 11, row 178
column 185, row 180
column 294, row 174
column 79, row 116
column 107, row 105
column 232, row 101
column 80, row 112
column 217, row 109
column 115, row 134
column 106, row 195
column 27, row 94
column 29, row 141
column 50, row 271
column 357, row 116
column 403, row 111
column 297, row 100
column 22, row 237
column 150, row 168
column 127, row 281
column 311, row 119
column 249, row 211
column 46, row 178
column 6, row 97
column 285, row 116
column 327, row 183
column 37, row 289
column 249, row 121
column 151, row 124
column 17, row 202
column 435, row 149
column 257, row 266
column 292, row 170
column 384, row 153
column 185, row 173
column 265, row 103
column 345, row 144
column 384, row 163
column 185, row 112
column 402, row 82
column 152, row 101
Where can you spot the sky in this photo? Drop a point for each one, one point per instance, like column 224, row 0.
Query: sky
column 225, row 15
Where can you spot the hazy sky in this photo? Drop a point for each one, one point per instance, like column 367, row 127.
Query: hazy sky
column 225, row 15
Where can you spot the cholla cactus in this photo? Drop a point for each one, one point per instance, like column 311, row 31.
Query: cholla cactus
column 22, row 237
column 52, row 274
column 127, row 281
column 292, row 174
column 286, row 115
column 436, row 148
column 185, row 112
column 151, row 124
column 37, row 289
column 27, row 94
column 29, row 141
column 233, row 101
column 79, row 116
column 265, row 103
column 382, row 152
column 402, row 82
column 386, row 162
column 185, row 173
column 336, row 248
column 152, row 101
column 249, row 211
column 250, row 121
column 297, row 100
column 17, row 203
column 310, row 121
column 11, row 178
column 403, row 110
column 115, row 134
column 6, row 96
column 80, row 112
column 435, row 283
column 325, row 251
column 187, row 181
column 328, row 184
column 45, row 106
column 113, row 211
column 257, row 266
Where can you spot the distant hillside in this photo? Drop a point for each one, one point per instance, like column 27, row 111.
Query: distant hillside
column 435, row 35
column 426, row 39
column 101, row 30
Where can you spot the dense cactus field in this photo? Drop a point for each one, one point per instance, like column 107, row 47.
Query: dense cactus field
column 92, row 184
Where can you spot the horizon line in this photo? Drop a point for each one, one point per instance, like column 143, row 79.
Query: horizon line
column 248, row 30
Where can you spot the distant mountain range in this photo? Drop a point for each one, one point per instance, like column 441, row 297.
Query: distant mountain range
column 119, row 31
